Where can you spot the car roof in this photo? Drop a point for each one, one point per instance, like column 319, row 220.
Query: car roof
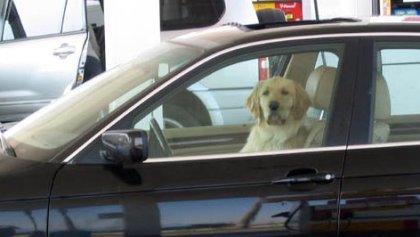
column 229, row 35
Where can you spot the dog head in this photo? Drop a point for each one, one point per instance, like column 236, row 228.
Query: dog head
column 278, row 100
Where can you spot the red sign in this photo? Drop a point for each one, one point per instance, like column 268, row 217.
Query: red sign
column 292, row 9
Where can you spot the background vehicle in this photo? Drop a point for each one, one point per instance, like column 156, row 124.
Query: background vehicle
column 43, row 55
column 46, row 55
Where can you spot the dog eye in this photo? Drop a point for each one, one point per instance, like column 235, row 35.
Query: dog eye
column 284, row 92
column 265, row 92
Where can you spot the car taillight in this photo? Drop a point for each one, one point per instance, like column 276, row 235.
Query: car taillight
column 263, row 69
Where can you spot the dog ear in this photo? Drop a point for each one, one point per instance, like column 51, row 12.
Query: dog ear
column 301, row 102
column 253, row 101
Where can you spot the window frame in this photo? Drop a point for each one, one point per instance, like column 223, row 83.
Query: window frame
column 10, row 8
column 364, row 104
column 336, row 132
column 16, row 26
column 396, row 46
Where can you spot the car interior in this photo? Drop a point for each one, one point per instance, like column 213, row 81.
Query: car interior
column 218, row 139
column 318, row 80
column 316, row 75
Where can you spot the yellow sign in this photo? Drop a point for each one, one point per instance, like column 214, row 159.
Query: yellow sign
column 259, row 6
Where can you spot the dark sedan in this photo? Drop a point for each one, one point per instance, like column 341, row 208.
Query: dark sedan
column 155, row 147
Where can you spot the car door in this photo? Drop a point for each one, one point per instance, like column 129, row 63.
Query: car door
column 25, row 194
column 195, row 181
column 381, row 176
column 41, row 53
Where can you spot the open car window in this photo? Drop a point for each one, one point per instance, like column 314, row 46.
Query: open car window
column 214, row 112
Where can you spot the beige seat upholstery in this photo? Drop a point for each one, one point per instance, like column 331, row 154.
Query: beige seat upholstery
column 320, row 86
column 381, row 128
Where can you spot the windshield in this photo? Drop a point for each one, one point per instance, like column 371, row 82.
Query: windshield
column 51, row 129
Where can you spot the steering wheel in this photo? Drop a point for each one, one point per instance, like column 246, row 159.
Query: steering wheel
column 156, row 134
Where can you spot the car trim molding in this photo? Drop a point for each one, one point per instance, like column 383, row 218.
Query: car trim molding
column 243, row 155
column 383, row 145
column 25, row 102
column 70, row 157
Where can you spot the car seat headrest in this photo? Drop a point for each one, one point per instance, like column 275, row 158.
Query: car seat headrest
column 383, row 100
column 320, row 86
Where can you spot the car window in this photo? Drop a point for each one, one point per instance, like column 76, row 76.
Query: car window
column 26, row 18
column 397, row 114
column 215, row 112
column 184, row 14
column 75, row 16
column 326, row 59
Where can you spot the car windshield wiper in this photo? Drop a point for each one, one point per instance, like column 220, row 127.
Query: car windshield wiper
column 7, row 148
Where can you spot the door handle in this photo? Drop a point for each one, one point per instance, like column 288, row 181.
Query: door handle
column 64, row 50
column 305, row 176
column 316, row 178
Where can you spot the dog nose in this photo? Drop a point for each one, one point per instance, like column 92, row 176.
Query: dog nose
column 274, row 105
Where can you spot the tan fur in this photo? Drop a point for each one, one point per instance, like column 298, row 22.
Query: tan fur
column 280, row 127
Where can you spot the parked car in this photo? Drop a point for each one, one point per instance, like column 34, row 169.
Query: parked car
column 41, row 53
column 46, row 55
column 102, row 161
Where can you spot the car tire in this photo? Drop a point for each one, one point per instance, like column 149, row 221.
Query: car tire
column 177, row 117
column 269, row 15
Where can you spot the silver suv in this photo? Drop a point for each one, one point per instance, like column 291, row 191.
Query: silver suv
column 41, row 53
column 46, row 52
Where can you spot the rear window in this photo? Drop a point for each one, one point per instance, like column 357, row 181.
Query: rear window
column 183, row 14
column 401, row 69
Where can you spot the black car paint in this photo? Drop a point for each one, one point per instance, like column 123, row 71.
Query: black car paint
column 24, row 198
column 216, row 194
column 135, row 200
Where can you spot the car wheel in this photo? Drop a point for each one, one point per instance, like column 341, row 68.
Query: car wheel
column 177, row 117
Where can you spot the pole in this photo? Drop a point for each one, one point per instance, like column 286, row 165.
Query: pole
column 316, row 10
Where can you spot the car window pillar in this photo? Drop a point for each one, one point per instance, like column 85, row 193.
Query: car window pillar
column 361, row 122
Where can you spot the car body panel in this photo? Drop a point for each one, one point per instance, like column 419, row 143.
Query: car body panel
column 26, row 179
column 380, row 186
column 24, row 206
column 381, row 193
column 26, row 86
column 42, row 54
column 24, row 218
column 217, row 196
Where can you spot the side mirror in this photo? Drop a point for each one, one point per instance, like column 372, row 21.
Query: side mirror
column 125, row 146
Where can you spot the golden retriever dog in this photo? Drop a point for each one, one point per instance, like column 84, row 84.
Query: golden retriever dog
column 279, row 105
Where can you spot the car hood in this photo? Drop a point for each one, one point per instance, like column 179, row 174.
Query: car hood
column 24, row 179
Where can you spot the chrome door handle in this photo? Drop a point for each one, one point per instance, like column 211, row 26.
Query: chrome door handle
column 310, row 178
column 64, row 50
